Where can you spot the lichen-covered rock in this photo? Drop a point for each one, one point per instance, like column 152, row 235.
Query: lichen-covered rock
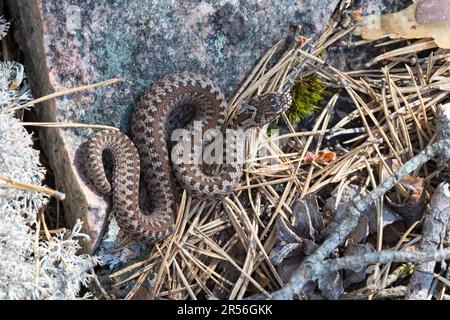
column 69, row 43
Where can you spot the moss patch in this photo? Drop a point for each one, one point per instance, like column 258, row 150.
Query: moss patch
column 306, row 93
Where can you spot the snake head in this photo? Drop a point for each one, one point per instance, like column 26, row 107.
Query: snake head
column 262, row 109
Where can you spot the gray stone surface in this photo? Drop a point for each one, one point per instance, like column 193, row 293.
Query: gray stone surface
column 73, row 42
column 381, row 6
column 433, row 11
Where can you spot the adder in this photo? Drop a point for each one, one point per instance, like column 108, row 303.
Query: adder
column 174, row 102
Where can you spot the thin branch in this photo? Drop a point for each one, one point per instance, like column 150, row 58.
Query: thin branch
column 383, row 257
column 433, row 237
column 308, row 270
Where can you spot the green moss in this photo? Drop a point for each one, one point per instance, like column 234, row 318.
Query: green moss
column 404, row 270
column 306, row 93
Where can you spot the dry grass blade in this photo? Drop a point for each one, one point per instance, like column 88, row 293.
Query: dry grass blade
column 6, row 182
column 67, row 125
column 62, row 93
column 416, row 47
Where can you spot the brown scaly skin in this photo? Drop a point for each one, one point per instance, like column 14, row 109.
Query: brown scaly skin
column 152, row 123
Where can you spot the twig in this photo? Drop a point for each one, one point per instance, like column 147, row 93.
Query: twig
column 99, row 285
column 388, row 293
column 384, row 256
column 433, row 236
column 443, row 129
column 37, row 255
column 391, row 293
column 310, row 269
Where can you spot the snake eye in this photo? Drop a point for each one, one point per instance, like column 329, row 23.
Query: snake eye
column 270, row 105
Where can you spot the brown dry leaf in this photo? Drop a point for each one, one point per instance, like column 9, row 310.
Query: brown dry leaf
column 14, row 85
column 414, row 186
column 403, row 24
column 324, row 156
column 410, row 205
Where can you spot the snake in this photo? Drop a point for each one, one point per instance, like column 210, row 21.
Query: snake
column 141, row 163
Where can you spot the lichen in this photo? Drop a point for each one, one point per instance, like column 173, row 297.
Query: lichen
column 29, row 269
column 217, row 48
column 60, row 269
column 4, row 27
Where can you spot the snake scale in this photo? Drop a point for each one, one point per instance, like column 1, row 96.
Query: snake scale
column 173, row 102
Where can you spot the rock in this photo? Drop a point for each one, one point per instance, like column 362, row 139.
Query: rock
column 433, row 11
column 369, row 7
column 71, row 43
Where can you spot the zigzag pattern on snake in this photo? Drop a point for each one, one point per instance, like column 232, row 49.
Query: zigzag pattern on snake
column 173, row 102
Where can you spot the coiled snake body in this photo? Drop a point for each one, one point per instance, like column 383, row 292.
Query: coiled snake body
column 173, row 102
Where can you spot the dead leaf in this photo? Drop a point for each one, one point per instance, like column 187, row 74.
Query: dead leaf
column 324, row 156
column 331, row 285
column 403, row 24
column 338, row 210
column 14, row 85
column 290, row 250
column 308, row 219
column 412, row 207
column 356, row 275
column 415, row 186
column 408, row 197
column 361, row 231
column 285, row 234
column 389, row 217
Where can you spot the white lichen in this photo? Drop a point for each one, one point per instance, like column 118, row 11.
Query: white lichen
column 4, row 27
column 12, row 89
column 60, row 270
column 30, row 269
